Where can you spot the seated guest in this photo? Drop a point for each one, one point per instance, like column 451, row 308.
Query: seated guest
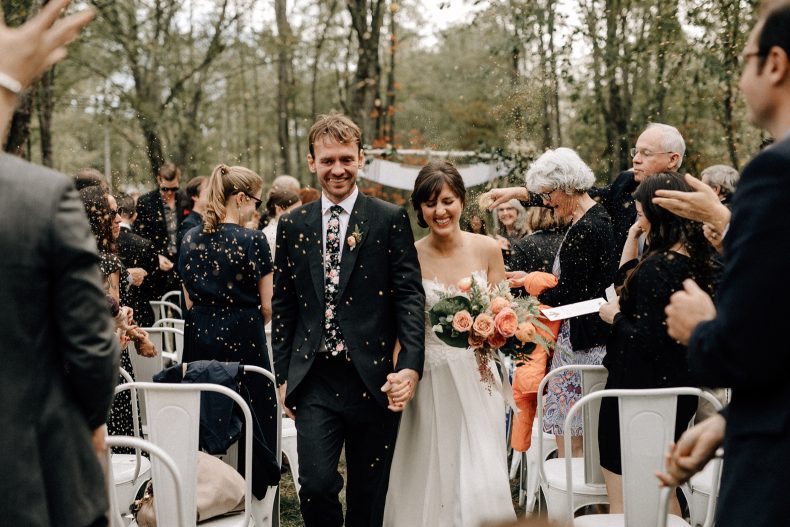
column 640, row 354
column 723, row 179
column 536, row 251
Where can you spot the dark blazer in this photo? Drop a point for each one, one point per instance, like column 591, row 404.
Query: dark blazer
column 136, row 251
column 745, row 348
column 587, row 262
column 381, row 297
column 58, row 348
column 618, row 201
column 150, row 222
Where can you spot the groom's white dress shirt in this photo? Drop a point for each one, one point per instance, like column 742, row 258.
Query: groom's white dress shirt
column 347, row 205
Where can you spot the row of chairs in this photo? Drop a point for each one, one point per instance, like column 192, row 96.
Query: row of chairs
column 647, row 420
column 173, row 423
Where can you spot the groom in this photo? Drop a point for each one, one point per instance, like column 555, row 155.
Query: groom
column 347, row 286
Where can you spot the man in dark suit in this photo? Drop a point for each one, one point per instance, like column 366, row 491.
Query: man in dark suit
column 751, row 306
column 159, row 213
column 136, row 253
column 58, row 349
column 347, row 287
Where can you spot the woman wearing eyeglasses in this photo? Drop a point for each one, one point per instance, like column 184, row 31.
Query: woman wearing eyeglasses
column 226, row 270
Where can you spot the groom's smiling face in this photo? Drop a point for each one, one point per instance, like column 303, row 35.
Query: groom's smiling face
column 336, row 165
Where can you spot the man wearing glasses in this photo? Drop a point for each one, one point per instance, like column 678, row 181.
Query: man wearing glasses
column 159, row 213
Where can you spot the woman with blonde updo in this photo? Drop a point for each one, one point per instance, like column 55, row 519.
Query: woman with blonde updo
column 227, row 274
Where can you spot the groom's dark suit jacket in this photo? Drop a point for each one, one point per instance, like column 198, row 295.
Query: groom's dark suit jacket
column 745, row 346
column 381, row 297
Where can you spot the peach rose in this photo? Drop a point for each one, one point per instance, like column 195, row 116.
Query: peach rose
column 484, row 325
column 525, row 332
column 506, row 322
column 462, row 321
column 497, row 340
column 464, row 284
column 475, row 341
column 498, row 304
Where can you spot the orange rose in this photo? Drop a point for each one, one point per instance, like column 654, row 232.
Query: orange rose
column 484, row 325
column 497, row 340
column 506, row 322
column 464, row 284
column 525, row 332
column 462, row 321
column 475, row 341
column 498, row 304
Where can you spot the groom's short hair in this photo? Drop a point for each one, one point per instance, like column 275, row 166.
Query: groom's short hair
column 337, row 127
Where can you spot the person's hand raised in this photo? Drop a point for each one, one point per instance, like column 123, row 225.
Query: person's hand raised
column 702, row 204
column 31, row 49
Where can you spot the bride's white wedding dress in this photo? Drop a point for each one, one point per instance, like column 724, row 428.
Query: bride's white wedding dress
column 450, row 463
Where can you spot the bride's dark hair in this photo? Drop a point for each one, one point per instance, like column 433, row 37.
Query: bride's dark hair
column 429, row 183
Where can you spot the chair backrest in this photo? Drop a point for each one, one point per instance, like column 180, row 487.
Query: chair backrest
column 173, row 296
column 647, row 427
column 593, row 378
column 165, row 309
column 175, row 503
column 173, row 342
column 135, row 420
column 174, row 425
column 159, row 335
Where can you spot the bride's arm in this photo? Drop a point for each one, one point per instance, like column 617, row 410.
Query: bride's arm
column 496, row 264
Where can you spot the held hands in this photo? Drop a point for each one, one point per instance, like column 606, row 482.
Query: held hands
column 400, row 388
column 281, row 395
column 516, row 278
column 137, row 275
column 686, row 310
column 693, row 450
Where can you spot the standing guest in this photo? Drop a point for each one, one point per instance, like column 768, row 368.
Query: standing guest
column 308, row 195
column 60, row 358
column 159, row 213
column 135, row 252
column 510, row 225
column 347, row 287
column 281, row 182
column 584, row 268
column 197, row 193
column 639, row 353
column 227, row 274
column 536, row 251
column 755, row 427
column 722, row 179
column 475, row 224
column 87, row 177
column 659, row 148
column 281, row 200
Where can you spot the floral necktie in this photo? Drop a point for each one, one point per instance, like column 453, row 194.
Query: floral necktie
column 332, row 334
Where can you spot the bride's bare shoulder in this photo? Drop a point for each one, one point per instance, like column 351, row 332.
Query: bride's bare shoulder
column 482, row 242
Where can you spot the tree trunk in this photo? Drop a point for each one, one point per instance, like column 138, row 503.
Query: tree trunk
column 319, row 45
column 388, row 118
column 283, row 87
column 44, row 107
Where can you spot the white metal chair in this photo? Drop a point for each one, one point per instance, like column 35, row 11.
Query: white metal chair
column 173, row 296
column 173, row 343
column 129, row 471
column 159, row 336
column 164, row 309
column 702, row 485
column 589, row 487
column 647, row 427
column 146, row 367
column 529, row 479
column 171, row 498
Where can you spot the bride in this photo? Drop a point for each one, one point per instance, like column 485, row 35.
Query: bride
column 450, row 461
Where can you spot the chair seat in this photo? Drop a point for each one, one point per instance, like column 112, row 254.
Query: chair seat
column 233, row 520
column 702, row 481
column 555, row 477
column 123, row 468
column 618, row 520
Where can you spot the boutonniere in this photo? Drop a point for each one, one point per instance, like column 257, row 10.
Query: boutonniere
column 355, row 238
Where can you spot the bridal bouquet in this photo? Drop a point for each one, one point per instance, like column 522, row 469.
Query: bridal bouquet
column 486, row 320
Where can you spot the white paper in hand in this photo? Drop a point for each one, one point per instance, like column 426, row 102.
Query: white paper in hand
column 610, row 293
column 573, row 310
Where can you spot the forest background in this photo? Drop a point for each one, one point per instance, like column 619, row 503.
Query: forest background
column 199, row 82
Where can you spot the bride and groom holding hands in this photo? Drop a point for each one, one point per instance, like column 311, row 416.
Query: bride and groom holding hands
column 350, row 286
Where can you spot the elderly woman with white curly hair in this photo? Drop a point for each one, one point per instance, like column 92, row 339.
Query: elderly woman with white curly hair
column 584, row 266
